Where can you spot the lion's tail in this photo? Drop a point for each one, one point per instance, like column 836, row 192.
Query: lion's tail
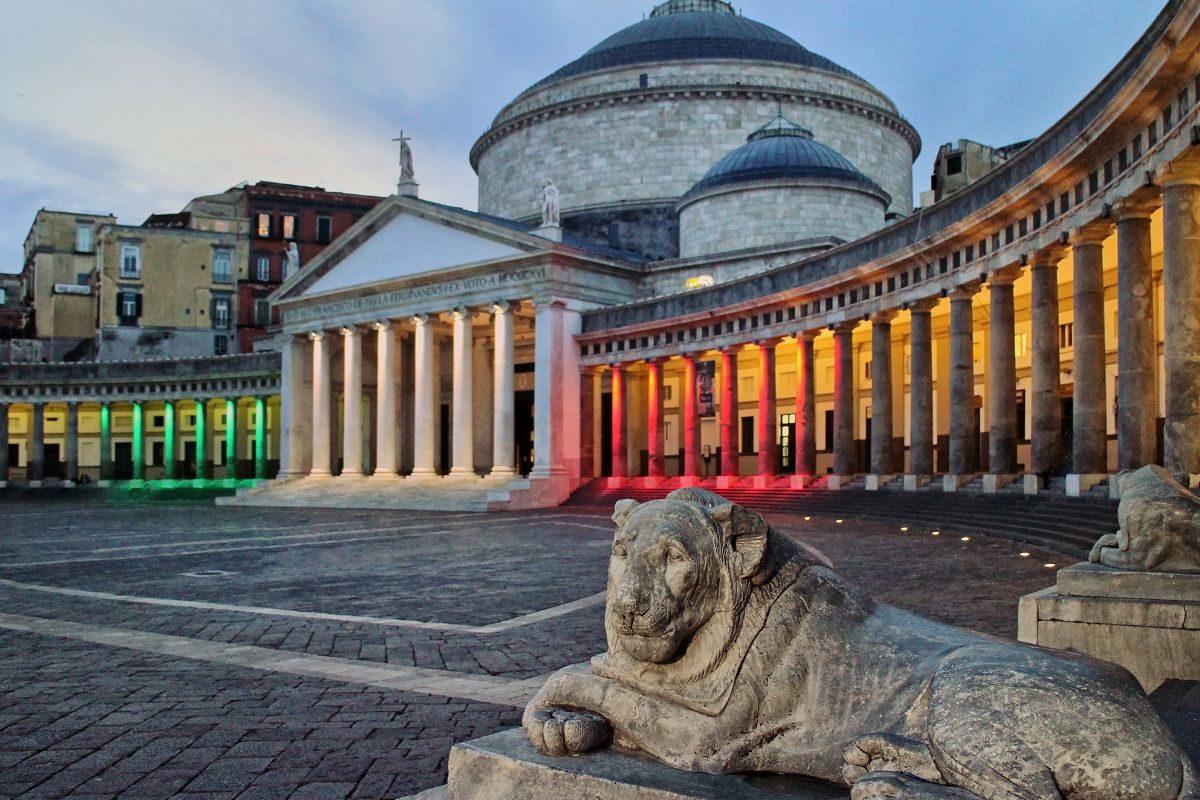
column 1191, row 787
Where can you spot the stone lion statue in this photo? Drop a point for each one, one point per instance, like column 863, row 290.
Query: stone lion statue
column 1160, row 525
column 734, row 649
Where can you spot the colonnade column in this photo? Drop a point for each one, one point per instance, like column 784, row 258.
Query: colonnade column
column 231, row 437
column 1002, row 381
column 964, row 436
column 105, row 442
column 424, row 398
column 352, row 454
column 1046, row 408
column 556, row 396
column 920, row 397
column 1089, row 456
column 806, row 412
column 620, row 467
column 72, row 443
column 843, row 405
column 202, row 465
column 768, row 445
column 503, row 433
column 462, row 424
column 169, row 437
column 690, row 474
column 1181, row 350
column 321, row 385
column 4, row 465
column 882, row 422
column 295, row 445
column 260, row 439
column 654, row 421
column 386, row 462
column 729, row 418
column 139, row 446
column 37, row 450
column 1137, row 355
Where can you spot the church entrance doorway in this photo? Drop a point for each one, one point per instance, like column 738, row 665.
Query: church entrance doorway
column 523, row 431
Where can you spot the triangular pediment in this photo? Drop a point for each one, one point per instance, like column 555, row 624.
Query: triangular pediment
column 406, row 238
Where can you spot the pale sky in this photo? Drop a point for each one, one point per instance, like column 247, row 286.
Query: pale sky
column 136, row 106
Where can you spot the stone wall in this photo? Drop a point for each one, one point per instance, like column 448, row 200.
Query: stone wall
column 650, row 231
column 133, row 344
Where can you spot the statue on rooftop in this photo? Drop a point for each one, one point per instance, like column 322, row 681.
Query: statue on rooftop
column 550, row 210
column 291, row 260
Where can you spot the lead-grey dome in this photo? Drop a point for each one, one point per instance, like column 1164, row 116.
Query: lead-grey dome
column 682, row 30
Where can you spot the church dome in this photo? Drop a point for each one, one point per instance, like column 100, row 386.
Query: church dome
column 686, row 30
column 782, row 149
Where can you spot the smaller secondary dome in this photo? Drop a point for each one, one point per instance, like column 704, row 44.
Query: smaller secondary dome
column 783, row 149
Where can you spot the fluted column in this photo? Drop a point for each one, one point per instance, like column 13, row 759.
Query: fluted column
column 1089, row 457
column 352, row 383
column 139, row 443
column 690, row 474
column 620, row 455
column 729, row 418
column 882, row 421
column 654, row 420
column 322, row 388
column 1046, row 408
column 768, row 444
column 260, row 439
column 386, row 462
column 503, row 440
column 964, row 436
column 1002, row 380
column 4, row 465
column 36, row 471
column 806, row 411
column 1137, row 351
column 843, row 404
column 424, row 399
column 106, row 471
column 462, row 427
column 1181, row 350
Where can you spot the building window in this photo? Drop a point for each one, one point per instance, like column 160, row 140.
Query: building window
column 220, row 346
column 1066, row 335
column 262, row 225
column 262, row 312
column 222, row 271
column 263, row 267
column 83, row 237
column 131, row 260
column 748, row 436
column 129, row 308
column 954, row 164
column 324, row 229
column 289, row 226
column 1021, row 344
column 3, row 296
column 220, row 313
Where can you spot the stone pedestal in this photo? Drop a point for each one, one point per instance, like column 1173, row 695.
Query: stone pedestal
column 836, row 482
column 877, row 482
column 1148, row 622
column 1032, row 484
column 726, row 481
column 552, row 232
column 993, row 483
column 914, row 482
column 1077, row 485
column 505, row 767
column 952, row 483
column 801, row 481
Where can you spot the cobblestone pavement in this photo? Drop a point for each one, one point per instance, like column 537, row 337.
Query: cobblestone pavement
column 185, row 651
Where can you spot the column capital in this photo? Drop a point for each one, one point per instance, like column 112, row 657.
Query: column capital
column 807, row 336
column 350, row 330
column 1182, row 171
column 316, row 336
column 924, row 306
column 461, row 312
column 1005, row 276
column 384, row 325
column 420, row 319
column 1093, row 233
column 846, row 327
column 771, row 342
column 964, row 292
column 1047, row 256
column 500, row 307
column 1136, row 206
column 618, row 366
column 884, row 317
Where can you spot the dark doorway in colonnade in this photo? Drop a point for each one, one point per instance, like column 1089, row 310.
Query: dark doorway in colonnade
column 1068, row 433
column 444, row 442
column 186, row 469
column 523, row 430
column 787, row 443
column 123, row 461
column 53, row 459
column 606, row 435
column 14, row 454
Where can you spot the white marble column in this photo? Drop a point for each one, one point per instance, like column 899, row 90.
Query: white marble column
column 503, row 441
column 768, row 442
column 843, row 405
column 322, row 388
column 352, row 451
column 805, row 441
column 462, row 427
column 385, row 400
column 295, row 457
column 556, row 398
column 424, row 398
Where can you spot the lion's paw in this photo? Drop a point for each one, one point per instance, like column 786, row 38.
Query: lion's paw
column 886, row 752
column 566, row 732
column 899, row 786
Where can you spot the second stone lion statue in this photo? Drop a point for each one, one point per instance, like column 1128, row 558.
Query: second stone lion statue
column 1160, row 525
column 733, row 649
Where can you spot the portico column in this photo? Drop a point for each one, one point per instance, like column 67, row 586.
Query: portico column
column 1089, row 457
column 1046, row 449
column 920, row 395
column 1181, row 350
column 503, row 399
column 620, row 467
column 463, row 425
column 260, row 439
column 4, row 465
column 1137, row 353
column 556, row 396
column 424, row 399
column 72, row 443
column 105, row 442
column 321, row 386
column 806, row 411
column 729, row 418
column 964, row 436
column 295, row 413
column 1002, row 381
column 768, row 445
column 202, row 465
column 139, row 445
column 882, row 423
column 691, row 425
column 843, row 404
column 37, row 450
column 386, row 463
column 351, row 403
column 231, row 437
column 654, row 420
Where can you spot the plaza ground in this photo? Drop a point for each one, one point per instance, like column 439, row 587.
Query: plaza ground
column 177, row 650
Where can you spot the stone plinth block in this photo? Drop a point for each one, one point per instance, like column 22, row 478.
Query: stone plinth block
column 914, row 482
column 1148, row 622
column 1032, row 484
column 1078, row 484
column 505, row 767
column 876, row 482
column 726, row 481
column 801, row 481
column 836, row 482
column 952, row 483
column 994, row 483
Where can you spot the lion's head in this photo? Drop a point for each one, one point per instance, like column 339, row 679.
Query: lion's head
column 677, row 562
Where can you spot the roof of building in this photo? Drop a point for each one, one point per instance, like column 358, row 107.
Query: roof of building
column 782, row 149
column 681, row 30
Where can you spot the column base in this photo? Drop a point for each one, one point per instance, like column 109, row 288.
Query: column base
column 424, row 475
column 34, row 484
column 319, row 473
column 838, row 482
column 652, row 481
column 3, row 484
column 1033, row 484
column 802, row 481
column 503, row 472
column 1078, row 484
column 876, row 482
column 610, row 483
column 686, row 481
column 914, row 482
column 727, row 481
column 386, row 475
column 104, row 484
column 346, row 473
column 952, row 483
column 994, row 483
column 68, row 484
column 763, row 481
column 459, row 473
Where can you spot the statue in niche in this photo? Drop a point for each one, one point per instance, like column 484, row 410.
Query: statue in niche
column 734, row 649
column 291, row 260
column 1160, row 525
column 550, row 211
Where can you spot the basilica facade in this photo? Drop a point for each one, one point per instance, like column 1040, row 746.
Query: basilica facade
column 731, row 285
